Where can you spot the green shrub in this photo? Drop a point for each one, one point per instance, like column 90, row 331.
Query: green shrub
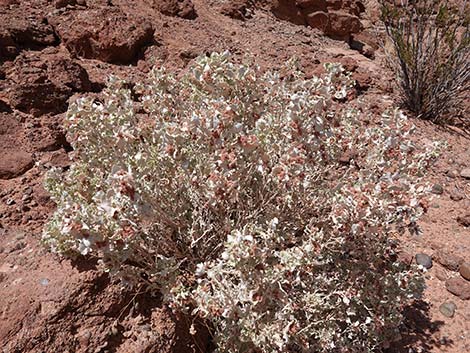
column 254, row 201
column 431, row 54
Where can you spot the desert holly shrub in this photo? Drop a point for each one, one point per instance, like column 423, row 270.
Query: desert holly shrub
column 253, row 200
column 431, row 53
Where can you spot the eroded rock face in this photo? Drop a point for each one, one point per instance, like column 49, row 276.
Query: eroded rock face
column 47, row 134
column 41, row 83
column 105, row 34
column 23, row 32
column 336, row 18
column 14, row 161
column 177, row 8
column 40, row 98
column 342, row 24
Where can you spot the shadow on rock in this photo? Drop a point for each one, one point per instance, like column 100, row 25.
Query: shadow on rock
column 418, row 331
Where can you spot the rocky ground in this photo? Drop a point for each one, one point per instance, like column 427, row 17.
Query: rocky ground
column 52, row 51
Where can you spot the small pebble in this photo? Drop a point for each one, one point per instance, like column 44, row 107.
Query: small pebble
column 441, row 274
column 452, row 173
column 448, row 260
column 456, row 195
column 465, row 173
column 464, row 220
column 424, row 260
column 10, row 202
column 437, row 189
column 448, row 309
column 18, row 246
column 458, row 287
column 44, row 281
column 465, row 270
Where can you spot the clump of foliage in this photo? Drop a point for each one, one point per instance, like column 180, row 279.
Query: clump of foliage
column 431, row 53
column 250, row 199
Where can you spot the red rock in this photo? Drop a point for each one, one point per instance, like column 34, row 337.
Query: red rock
column 456, row 194
column 48, row 134
column 42, row 83
column 351, row 6
column 63, row 3
column 319, row 20
column 441, row 274
column 309, row 6
column 464, row 220
column 459, row 287
column 335, row 4
column 8, row 125
column 58, row 158
column 342, row 24
column 4, row 107
column 14, row 162
column 178, row 8
column 41, row 196
column 40, row 98
column 106, row 34
column 363, row 78
column 50, row 66
column 450, row 261
column 237, row 9
column 338, row 19
column 289, row 11
column 18, row 32
column 452, row 173
column 465, row 173
column 66, row 72
column 348, row 63
column 8, row 2
column 365, row 43
column 465, row 270
column 405, row 257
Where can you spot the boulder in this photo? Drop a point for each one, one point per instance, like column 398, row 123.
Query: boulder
column 105, row 34
column 237, row 9
column 450, row 261
column 18, row 32
column 319, row 20
column 40, row 98
column 342, row 24
column 41, row 83
column 14, row 162
column 335, row 18
column 176, row 8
